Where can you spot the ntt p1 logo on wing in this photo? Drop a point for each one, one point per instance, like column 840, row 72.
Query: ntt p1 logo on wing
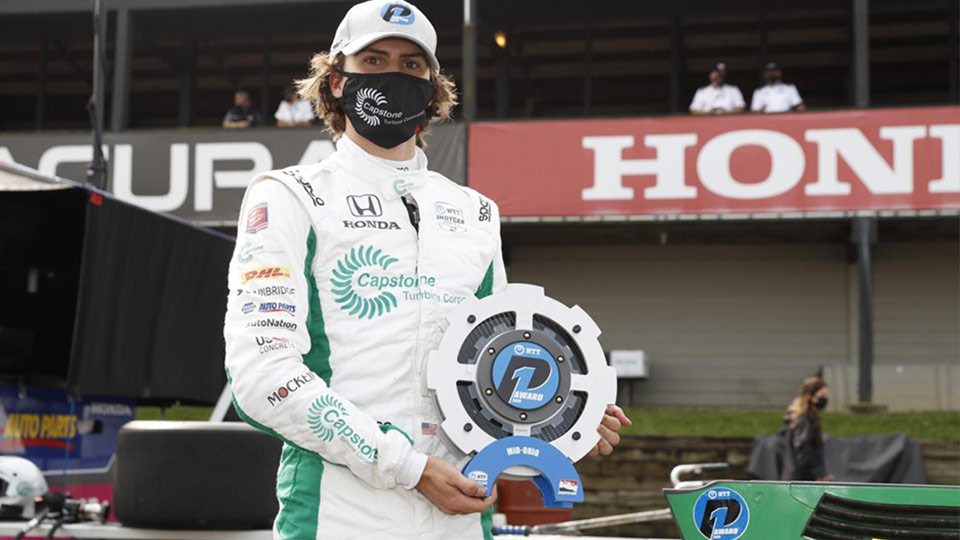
column 721, row 514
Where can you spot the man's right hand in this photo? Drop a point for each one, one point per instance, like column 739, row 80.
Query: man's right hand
column 452, row 492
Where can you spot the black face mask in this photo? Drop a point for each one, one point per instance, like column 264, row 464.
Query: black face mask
column 772, row 79
column 721, row 79
column 822, row 403
column 386, row 108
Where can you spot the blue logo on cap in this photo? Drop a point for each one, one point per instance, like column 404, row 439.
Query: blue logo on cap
column 397, row 13
column 525, row 375
column 721, row 514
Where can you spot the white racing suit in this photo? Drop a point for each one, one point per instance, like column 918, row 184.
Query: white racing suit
column 335, row 301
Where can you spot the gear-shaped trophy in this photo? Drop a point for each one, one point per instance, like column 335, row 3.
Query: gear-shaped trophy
column 522, row 383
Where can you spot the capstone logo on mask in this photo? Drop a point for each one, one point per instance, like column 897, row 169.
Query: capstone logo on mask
column 386, row 108
column 364, row 96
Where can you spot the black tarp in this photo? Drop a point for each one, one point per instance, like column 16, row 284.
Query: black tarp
column 151, row 306
column 891, row 459
column 41, row 234
column 105, row 298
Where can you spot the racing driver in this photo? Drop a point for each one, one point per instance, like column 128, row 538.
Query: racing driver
column 342, row 274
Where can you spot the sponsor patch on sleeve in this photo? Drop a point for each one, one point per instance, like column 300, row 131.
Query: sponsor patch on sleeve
column 257, row 219
column 267, row 272
column 277, row 307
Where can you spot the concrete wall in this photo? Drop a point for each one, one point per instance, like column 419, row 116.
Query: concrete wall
column 917, row 303
column 730, row 325
column 900, row 388
column 741, row 325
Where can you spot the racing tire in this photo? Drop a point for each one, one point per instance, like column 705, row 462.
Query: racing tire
column 195, row 475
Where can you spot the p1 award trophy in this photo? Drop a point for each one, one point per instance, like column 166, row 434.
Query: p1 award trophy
column 522, row 383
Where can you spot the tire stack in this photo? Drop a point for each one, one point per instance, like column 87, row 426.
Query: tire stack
column 195, row 475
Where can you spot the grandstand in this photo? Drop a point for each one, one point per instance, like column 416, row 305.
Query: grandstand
column 177, row 62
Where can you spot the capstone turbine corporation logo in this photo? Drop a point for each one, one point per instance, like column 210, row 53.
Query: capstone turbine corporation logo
column 366, row 284
column 366, row 110
column 354, row 269
column 315, row 416
column 327, row 418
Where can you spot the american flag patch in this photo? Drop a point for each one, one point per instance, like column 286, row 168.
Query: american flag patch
column 428, row 428
column 257, row 219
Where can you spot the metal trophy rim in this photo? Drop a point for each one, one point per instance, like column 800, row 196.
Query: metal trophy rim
column 443, row 372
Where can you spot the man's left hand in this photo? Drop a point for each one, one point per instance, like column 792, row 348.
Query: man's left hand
column 613, row 420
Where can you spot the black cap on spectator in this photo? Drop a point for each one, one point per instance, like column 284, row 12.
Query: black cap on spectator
column 771, row 65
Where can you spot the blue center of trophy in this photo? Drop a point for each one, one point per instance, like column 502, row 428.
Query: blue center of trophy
column 525, row 375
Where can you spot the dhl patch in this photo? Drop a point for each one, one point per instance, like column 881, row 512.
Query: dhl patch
column 267, row 272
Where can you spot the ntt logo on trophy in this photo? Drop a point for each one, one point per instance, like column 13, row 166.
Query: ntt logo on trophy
column 521, row 382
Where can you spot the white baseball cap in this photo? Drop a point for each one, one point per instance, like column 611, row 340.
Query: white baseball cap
column 373, row 20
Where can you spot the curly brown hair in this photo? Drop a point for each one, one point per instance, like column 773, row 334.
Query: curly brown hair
column 316, row 89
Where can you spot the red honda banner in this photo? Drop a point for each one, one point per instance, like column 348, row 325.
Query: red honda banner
column 890, row 159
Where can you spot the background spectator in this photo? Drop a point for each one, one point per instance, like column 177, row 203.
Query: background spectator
column 293, row 111
column 775, row 96
column 241, row 115
column 803, row 459
column 718, row 97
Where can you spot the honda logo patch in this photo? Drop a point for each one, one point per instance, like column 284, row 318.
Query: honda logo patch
column 365, row 205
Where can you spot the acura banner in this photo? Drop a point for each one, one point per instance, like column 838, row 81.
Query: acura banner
column 199, row 174
column 890, row 159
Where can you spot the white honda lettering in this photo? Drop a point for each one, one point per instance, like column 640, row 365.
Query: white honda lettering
column 786, row 164
column 866, row 162
column 209, row 153
column 609, row 167
column 179, row 180
column 949, row 181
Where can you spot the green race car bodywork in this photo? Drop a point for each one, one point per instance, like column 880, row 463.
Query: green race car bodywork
column 755, row 510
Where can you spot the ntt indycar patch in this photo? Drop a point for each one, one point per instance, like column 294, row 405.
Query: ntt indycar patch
column 721, row 514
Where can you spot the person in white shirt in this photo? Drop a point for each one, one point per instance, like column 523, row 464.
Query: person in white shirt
column 293, row 111
column 718, row 97
column 775, row 96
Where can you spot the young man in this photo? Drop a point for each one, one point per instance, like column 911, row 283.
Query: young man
column 718, row 97
column 342, row 275
column 776, row 96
